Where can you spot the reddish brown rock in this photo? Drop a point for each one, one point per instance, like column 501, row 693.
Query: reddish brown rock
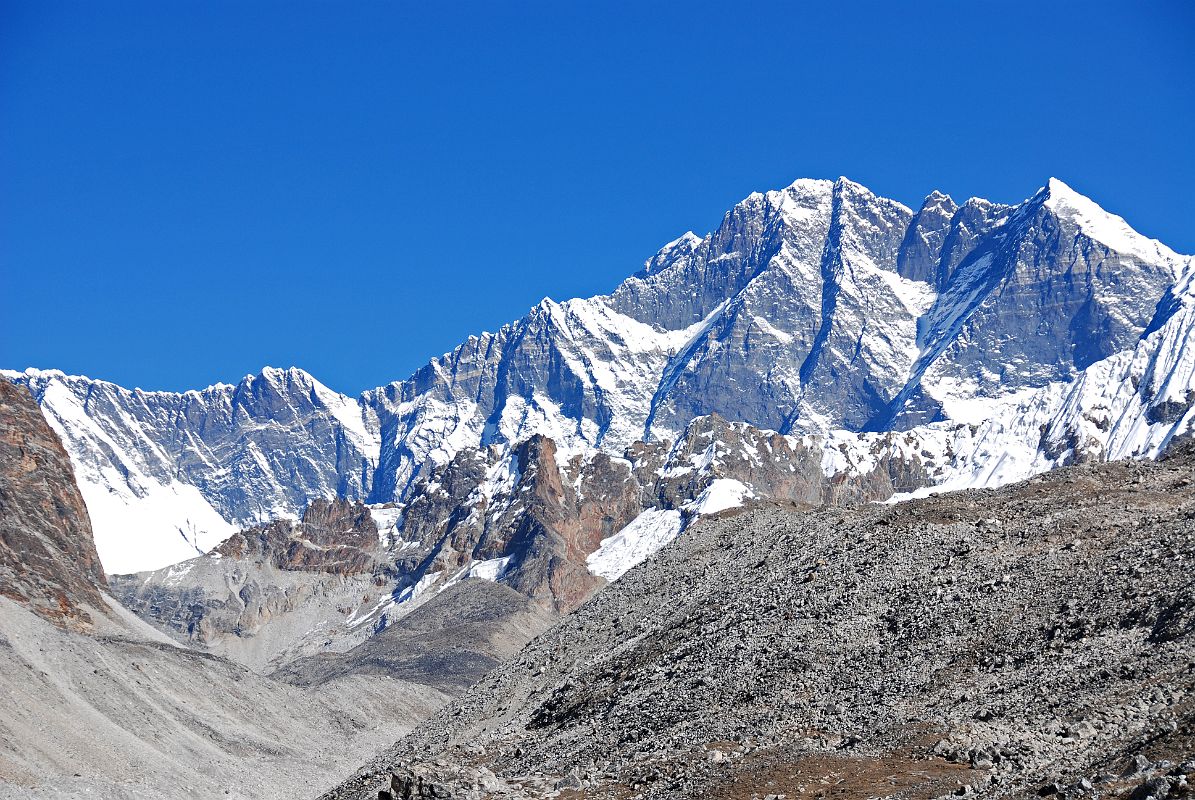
column 334, row 536
column 48, row 560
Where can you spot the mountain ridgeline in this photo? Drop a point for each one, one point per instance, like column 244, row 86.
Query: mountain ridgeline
column 880, row 349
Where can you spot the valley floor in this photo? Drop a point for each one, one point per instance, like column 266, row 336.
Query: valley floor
column 126, row 715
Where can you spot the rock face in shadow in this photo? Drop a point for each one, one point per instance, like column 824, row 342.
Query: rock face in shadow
column 1036, row 639
column 48, row 560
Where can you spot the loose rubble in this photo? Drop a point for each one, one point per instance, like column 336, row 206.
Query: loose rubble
column 1028, row 641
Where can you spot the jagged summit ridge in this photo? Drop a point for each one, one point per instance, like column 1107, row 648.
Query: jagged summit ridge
column 815, row 308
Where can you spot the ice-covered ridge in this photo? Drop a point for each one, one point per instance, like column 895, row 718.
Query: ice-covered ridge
column 1130, row 405
column 167, row 476
column 1103, row 226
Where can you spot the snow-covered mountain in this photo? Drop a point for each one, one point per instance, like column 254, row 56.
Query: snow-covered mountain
column 168, row 476
column 998, row 340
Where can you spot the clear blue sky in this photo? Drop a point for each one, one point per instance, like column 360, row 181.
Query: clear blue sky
column 192, row 190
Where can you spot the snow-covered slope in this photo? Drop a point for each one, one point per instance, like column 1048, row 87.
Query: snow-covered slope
column 1001, row 340
column 168, row 476
column 817, row 307
column 1132, row 404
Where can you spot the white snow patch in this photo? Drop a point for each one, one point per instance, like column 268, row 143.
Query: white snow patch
column 772, row 330
column 387, row 520
column 720, row 495
column 635, row 543
column 489, row 570
column 165, row 525
column 412, row 592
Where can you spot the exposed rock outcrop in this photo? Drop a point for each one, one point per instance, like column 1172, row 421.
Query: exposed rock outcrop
column 276, row 591
column 48, row 560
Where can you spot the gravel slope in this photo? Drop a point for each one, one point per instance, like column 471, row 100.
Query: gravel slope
column 120, row 714
column 983, row 641
column 448, row 642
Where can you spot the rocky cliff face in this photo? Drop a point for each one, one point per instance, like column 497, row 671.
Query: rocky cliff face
column 48, row 560
column 337, row 537
column 1034, row 640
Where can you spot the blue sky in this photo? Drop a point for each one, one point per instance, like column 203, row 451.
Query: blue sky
column 190, row 191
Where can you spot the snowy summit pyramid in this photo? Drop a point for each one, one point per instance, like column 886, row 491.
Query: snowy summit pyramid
column 996, row 340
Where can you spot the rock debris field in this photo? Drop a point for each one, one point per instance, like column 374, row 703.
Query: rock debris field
column 1034, row 640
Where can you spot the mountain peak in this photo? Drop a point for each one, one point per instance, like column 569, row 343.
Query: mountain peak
column 1100, row 225
column 688, row 239
column 277, row 375
column 1057, row 188
column 811, row 184
column 939, row 201
column 845, row 183
column 844, row 187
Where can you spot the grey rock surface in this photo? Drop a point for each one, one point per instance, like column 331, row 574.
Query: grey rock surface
column 273, row 592
column 448, row 642
column 118, row 714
